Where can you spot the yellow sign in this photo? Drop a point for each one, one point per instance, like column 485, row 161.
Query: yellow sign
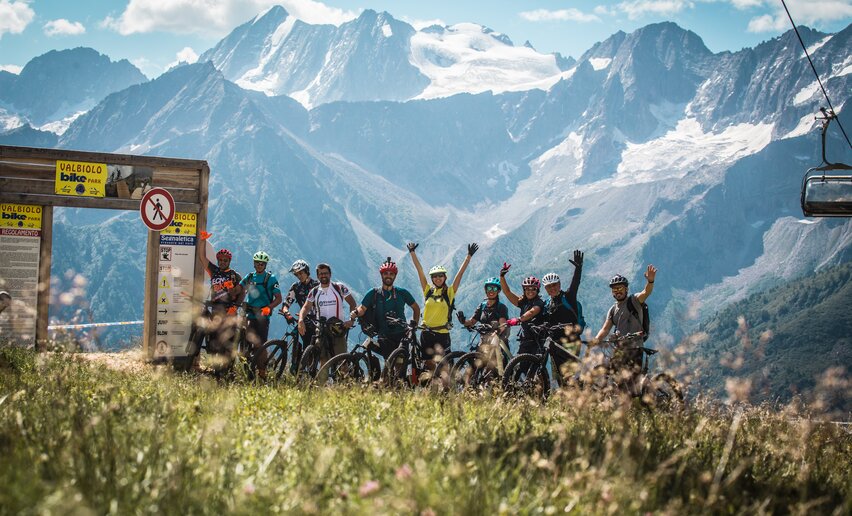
column 164, row 283
column 20, row 216
column 164, row 299
column 81, row 179
column 183, row 224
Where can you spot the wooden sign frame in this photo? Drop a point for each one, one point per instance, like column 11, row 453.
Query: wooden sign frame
column 28, row 176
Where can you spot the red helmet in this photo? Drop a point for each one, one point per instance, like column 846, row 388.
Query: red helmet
column 531, row 281
column 223, row 253
column 388, row 266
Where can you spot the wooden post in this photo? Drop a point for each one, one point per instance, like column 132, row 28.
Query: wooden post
column 43, row 296
column 152, row 263
column 200, row 247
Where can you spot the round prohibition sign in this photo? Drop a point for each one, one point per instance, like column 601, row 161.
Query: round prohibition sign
column 157, row 209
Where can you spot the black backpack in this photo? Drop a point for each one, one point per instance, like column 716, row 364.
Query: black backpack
column 645, row 319
column 446, row 296
column 370, row 320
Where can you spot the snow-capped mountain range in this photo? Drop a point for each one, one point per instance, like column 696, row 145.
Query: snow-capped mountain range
column 648, row 148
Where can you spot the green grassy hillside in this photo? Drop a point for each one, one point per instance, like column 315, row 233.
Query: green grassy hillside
column 785, row 340
column 82, row 438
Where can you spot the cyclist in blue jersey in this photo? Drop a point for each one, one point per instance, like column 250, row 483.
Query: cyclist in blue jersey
column 262, row 294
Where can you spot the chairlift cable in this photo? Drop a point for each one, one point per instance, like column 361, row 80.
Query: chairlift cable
column 825, row 94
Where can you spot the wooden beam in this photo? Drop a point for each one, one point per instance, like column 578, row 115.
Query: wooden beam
column 43, row 296
column 31, row 153
column 86, row 202
column 201, row 222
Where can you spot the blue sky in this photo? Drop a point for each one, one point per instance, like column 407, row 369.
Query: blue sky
column 153, row 34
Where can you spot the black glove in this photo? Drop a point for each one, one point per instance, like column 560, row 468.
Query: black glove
column 412, row 323
column 411, row 246
column 460, row 316
column 505, row 269
column 578, row 258
column 472, row 248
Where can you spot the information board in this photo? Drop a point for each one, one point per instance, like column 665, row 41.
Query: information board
column 20, row 241
column 174, row 285
column 81, row 179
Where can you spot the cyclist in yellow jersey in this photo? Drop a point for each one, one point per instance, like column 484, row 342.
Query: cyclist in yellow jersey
column 437, row 311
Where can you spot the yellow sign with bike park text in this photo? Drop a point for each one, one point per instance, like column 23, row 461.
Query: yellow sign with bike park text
column 185, row 224
column 20, row 216
column 80, row 179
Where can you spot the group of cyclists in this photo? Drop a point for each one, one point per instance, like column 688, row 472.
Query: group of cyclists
column 382, row 310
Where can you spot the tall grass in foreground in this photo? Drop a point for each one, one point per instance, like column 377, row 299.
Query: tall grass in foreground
column 77, row 437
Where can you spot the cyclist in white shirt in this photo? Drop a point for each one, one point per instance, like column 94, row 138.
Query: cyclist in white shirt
column 326, row 299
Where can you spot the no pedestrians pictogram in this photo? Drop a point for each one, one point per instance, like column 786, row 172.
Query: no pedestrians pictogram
column 157, row 209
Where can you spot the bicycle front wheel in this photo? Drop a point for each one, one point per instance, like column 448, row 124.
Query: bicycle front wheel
column 396, row 367
column 309, row 364
column 342, row 369
column 276, row 358
column 526, row 375
column 441, row 380
column 663, row 391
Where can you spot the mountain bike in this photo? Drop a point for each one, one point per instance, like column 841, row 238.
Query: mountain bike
column 527, row 372
column 483, row 366
column 617, row 375
column 309, row 364
column 405, row 365
column 359, row 365
column 203, row 334
column 277, row 350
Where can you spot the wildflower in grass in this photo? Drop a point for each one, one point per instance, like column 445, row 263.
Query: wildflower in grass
column 403, row 472
column 369, row 487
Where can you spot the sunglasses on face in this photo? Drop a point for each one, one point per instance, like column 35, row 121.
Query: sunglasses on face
column 530, row 288
column 260, row 263
column 620, row 288
column 492, row 289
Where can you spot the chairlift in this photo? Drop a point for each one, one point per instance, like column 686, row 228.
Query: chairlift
column 827, row 189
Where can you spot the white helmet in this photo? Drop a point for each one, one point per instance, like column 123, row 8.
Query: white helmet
column 550, row 278
column 300, row 265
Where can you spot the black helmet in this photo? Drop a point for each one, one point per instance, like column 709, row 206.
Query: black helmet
column 618, row 279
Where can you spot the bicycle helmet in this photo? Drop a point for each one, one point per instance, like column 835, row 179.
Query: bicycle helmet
column 261, row 256
column 223, row 253
column 388, row 266
column 618, row 279
column 300, row 265
column 531, row 281
column 550, row 278
column 438, row 269
column 492, row 282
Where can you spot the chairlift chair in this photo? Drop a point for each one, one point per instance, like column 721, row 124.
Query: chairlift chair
column 827, row 188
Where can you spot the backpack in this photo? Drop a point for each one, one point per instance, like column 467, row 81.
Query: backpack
column 581, row 321
column 250, row 280
column 645, row 319
column 446, row 297
column 370, row 320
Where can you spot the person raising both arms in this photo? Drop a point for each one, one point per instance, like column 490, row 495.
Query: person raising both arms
column 532, row 310
column 438, row 307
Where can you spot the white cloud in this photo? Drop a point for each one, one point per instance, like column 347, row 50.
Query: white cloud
column 63, row 27
column 638, row 8
column 559, row 15
column 746, row 4
column 216, row 17
column 185, row 56
column 812, row 13
column 15, row 69
column 14, row 17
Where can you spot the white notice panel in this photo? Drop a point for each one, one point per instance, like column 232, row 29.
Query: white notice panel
column 174, row 286
column 20, row 241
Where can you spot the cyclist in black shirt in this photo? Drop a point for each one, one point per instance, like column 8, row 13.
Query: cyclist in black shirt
column 224, row 298
column 298, row 293
column 491, row 309
column 562, row 308
column 532, row 310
